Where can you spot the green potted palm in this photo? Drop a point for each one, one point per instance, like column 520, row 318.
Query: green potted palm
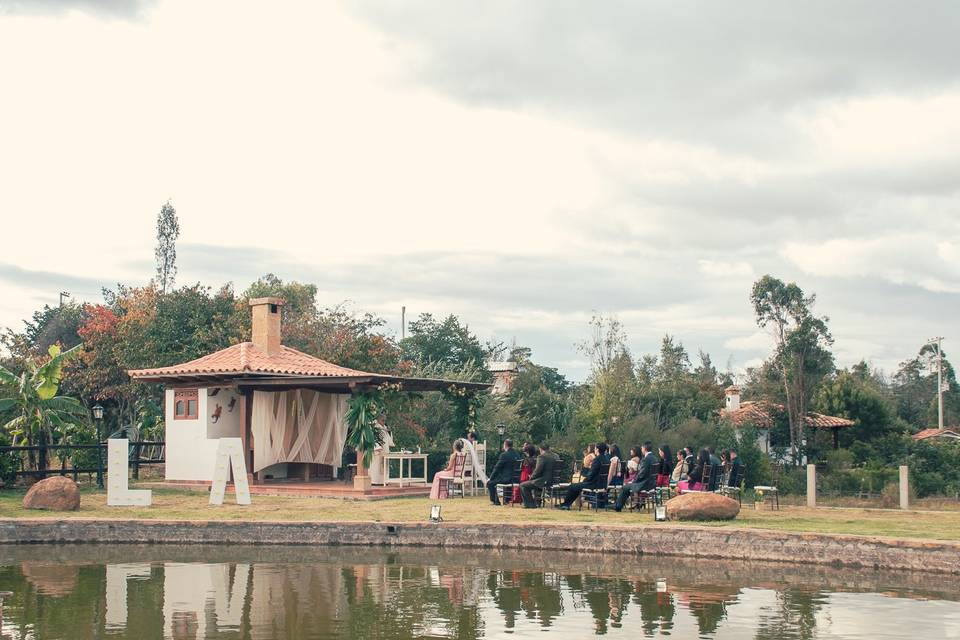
column 362, row 434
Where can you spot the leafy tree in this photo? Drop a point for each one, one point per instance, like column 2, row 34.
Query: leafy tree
column 168, row 230
column 448, row 343
column 537, row 395
column 40, row 415
column 849, row 395
column 801, row 346
column 47, row 327
column 914, row 387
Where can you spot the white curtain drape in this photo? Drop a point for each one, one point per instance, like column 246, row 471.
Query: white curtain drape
column 298, row 426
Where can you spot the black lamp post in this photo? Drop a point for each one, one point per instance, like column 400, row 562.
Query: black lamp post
column 98, row 418
column 501, row 429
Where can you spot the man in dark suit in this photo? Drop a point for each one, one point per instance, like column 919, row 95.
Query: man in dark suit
column 646, row 479
column 716, row 470
column 595, row 478
column 503, row 471
column 542, row 474
column 736, row 468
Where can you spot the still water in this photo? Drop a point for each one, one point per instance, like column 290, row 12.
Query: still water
column 336, row 593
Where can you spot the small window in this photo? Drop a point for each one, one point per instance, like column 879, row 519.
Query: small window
column 186, row 404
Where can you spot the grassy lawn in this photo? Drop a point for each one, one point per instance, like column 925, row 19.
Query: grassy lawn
column 169, row 504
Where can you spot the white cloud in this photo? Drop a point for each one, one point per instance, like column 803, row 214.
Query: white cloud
column 721, row 269
column 429, row 156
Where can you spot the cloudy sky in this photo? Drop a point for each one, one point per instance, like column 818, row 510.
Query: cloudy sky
column 521, row 164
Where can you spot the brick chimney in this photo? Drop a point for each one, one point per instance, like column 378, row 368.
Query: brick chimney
column 266, row 324
column 733, row 397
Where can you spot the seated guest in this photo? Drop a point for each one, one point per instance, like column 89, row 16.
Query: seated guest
column 503, row 471
column 736, row 467
column 645, row 480
column 666, row 465
column 447, row 471
column 633, row 464
column 680, row 468
column 690, row 458
column 588, row 457
column 541, row 475
column 614, row 476
column 592, row 477
column 716, row 470
column 526, row 468
column 695, row 480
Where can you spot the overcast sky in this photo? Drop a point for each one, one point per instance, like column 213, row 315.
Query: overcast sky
column 520, row 164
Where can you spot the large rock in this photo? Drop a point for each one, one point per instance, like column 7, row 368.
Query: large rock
column 702, row 506
column 55, row 494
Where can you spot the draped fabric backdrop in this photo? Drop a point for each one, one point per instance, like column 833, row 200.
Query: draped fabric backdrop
column 298, row 426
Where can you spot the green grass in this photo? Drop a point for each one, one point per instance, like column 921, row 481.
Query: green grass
column 170, row 504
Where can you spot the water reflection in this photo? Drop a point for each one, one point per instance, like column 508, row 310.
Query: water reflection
column 261, row 593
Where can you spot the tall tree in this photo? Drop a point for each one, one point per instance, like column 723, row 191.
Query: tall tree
column 801, row 346
column 168, row 230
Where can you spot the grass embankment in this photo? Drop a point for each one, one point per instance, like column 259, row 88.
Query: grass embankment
column 169, row 504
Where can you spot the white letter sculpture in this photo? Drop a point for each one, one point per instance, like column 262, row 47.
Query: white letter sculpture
column 118, row 493
column 230, row 451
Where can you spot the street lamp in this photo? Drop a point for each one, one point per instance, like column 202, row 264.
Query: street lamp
column 98, row 418
column 501, row 429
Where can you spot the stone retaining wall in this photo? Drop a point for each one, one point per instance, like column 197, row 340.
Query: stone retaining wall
column 666, row 539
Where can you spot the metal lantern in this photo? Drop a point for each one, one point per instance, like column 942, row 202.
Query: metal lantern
column 501, row 429
column 97, row 412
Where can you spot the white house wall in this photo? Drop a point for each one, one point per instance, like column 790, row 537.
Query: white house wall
column 191, row 445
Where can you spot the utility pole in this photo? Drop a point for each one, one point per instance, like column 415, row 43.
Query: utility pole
column 403, row 322
column 63, row 294
column 938, row 341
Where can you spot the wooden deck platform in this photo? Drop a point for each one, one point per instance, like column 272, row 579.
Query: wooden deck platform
column 300, row 488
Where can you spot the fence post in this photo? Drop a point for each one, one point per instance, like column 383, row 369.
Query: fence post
column 811, row 485
column 904, row 487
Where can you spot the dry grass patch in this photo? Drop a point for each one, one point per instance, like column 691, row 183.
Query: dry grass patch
column 171, row 504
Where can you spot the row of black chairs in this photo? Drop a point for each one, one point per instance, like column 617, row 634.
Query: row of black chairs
column 729, row 484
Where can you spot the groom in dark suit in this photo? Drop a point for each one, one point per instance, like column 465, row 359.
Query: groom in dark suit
column 646, row 480
column 503, row 471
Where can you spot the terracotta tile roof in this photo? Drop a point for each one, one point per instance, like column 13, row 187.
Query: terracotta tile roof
column 926, row 434
column 820, row 421
column 755, row 413
column 246, row 358
column 760, row 414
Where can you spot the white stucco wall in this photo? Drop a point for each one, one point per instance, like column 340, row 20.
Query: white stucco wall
column 192, row 444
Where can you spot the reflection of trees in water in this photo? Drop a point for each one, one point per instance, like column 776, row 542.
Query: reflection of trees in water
column 708, row 606
column 607, row 598
column 656, row 608
column 401, row 602
column 795, row 615
column 536, row 594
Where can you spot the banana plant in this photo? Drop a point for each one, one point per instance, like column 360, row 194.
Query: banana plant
column 38, row 413
column 362, row 435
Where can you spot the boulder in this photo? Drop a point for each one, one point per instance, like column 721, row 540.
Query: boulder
column 702, row 506
column 55, row 494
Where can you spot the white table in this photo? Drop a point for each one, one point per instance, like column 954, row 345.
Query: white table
column 408, row 458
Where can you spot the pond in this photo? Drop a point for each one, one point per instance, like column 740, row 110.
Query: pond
column 142, row 592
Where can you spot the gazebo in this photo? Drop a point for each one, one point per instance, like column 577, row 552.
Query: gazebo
column 286, row 406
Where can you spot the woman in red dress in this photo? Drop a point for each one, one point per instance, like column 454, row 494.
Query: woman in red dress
column 526, row 469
